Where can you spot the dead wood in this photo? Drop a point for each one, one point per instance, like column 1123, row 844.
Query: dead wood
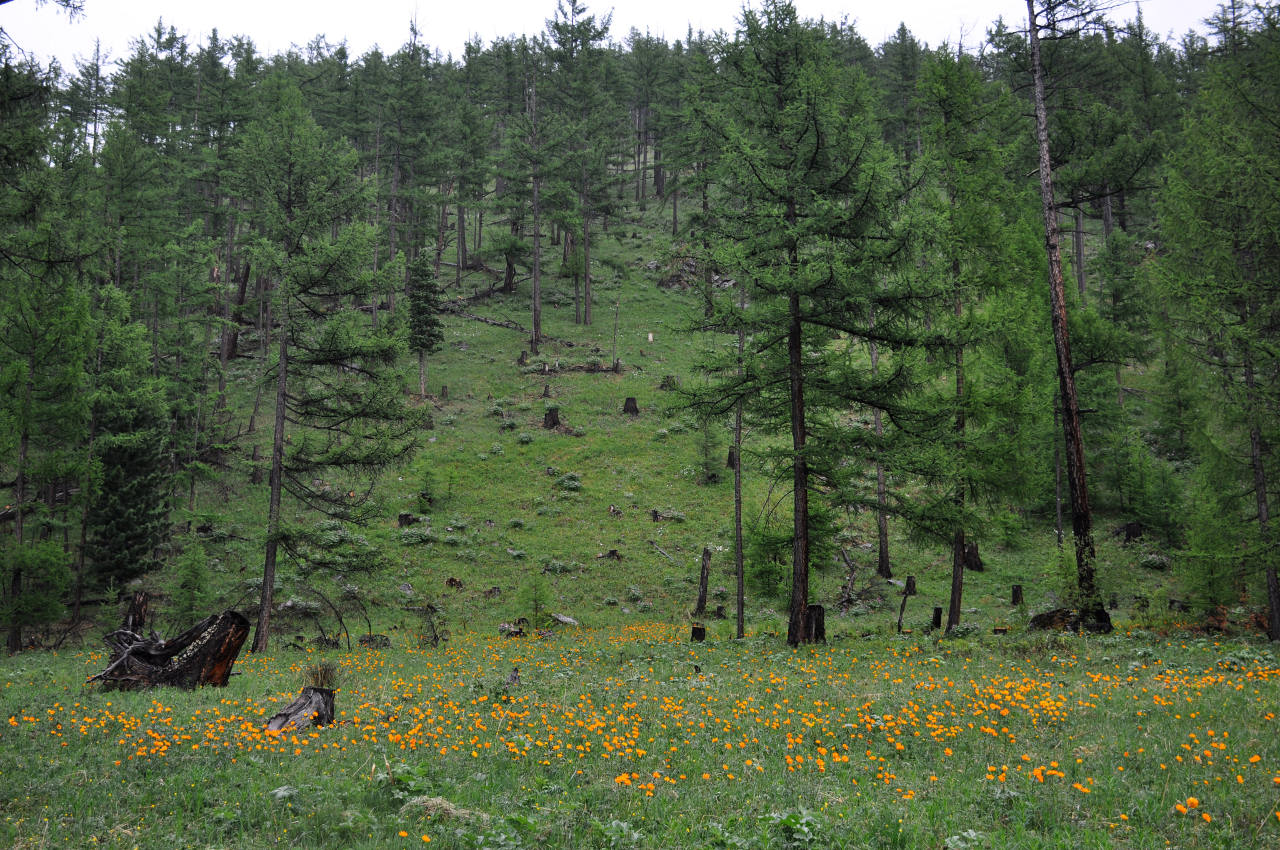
column 312, row 707
column 202, row 655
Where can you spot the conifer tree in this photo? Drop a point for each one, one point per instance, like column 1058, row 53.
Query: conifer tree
column 805, row 220
column 339, row 406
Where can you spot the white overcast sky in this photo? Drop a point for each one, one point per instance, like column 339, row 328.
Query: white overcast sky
column 275, row 25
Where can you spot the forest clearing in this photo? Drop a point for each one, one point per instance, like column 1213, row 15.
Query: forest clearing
column 757, row 439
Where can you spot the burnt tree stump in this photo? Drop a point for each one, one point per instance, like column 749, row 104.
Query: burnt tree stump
column 971, row 559
column 202, row 655
column 732, row 461
column 444, row 392
column 630, row 407
column 937, row 619
column 551, row 419
column 698, row 634
column 1016, row 596
column 910, row 589
column 523, row 359
column 135, row 619
column 815, row 624
column 312, row 707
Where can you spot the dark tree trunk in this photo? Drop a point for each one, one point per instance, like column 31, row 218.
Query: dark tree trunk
column 551, row 419
column 1016, row 596
column 1263, row 503
column 883, row 567
column 704, row 578
column 796, row 626
column 263, row 633
column 630, row 406
column 1093, row 613
column 739, row 567
column 1077, row 243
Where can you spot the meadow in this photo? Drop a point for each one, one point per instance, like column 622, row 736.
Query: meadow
column 621, row 732
column 632, row 736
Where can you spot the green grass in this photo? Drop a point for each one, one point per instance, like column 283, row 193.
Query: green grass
column 431, row 742
column 625, row 731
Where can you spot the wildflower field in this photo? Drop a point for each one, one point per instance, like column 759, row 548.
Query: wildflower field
column 636, row 738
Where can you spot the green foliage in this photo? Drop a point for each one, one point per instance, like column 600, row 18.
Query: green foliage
column 190, row 596
column 43, row 579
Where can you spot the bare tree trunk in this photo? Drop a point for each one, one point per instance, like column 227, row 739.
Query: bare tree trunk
column 462, row 245
column 1077, row 243
column 884, row 568
column 14, row 643
column 704, row 579
column 796, row 627
column 1093, row 613
column 958, row 541
column 1263, row 503
column 536, row 334
column 1057, row 468
column 586, row 266
column 739, row 564
column 263, row 633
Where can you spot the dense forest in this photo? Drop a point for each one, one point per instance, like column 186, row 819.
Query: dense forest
column 957, row 290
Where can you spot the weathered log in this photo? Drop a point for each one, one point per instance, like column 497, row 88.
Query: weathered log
column 564, row 620
column 312, row 707
column 202, row 655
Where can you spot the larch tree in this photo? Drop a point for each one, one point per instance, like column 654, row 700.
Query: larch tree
column 339, row 405
column 802, row 221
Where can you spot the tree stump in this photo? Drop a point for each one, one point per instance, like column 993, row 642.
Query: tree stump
column 444, row 392
column 546, row 391
column 1017, row 594
column 815, row 624
column 910, row 589
column 629, row 406
column 312, row 707
column 698, row 634
column 937, row 619
column 971, row 559
column 551, row 419
column 135, row 619
column 202, row 655
column 523, row 359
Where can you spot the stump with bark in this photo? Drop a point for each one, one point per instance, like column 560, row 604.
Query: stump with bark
column 202, row 655
column 551, row 419
column 312, row 707
column 629, row 406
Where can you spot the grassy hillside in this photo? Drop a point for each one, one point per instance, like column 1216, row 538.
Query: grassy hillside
column 621, row 733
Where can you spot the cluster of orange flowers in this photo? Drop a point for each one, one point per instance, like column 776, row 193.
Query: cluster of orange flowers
column 840, row 712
